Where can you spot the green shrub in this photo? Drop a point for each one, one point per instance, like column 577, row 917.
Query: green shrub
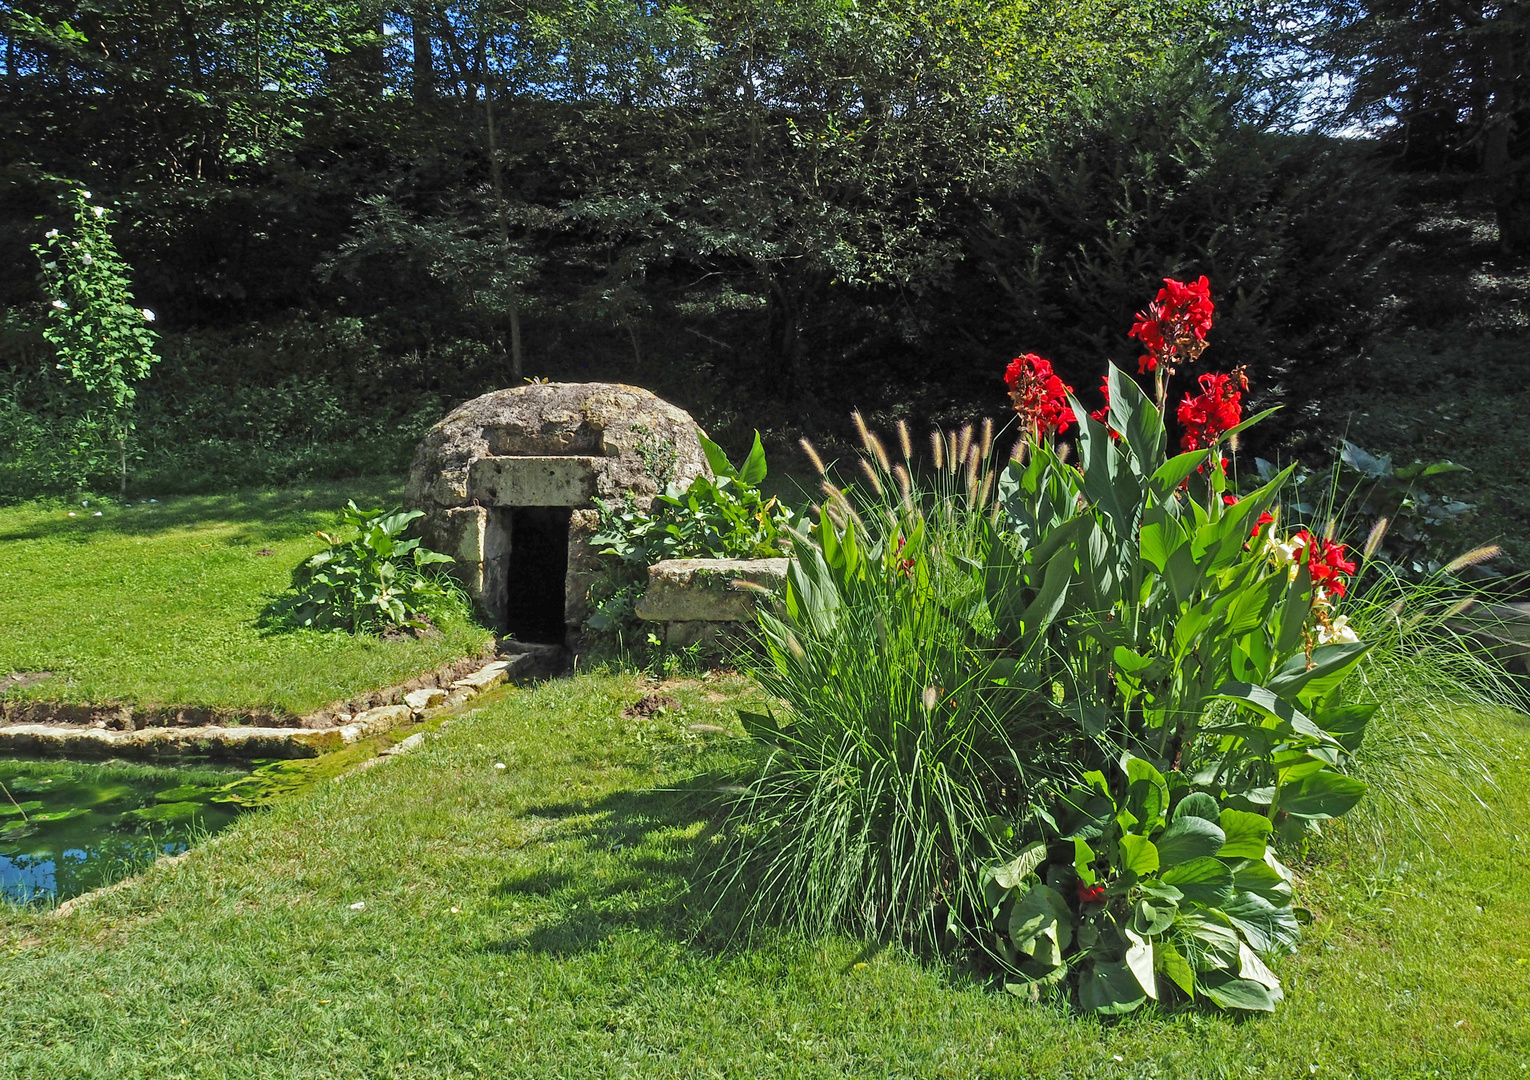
column 366, row 583
column 723, row 516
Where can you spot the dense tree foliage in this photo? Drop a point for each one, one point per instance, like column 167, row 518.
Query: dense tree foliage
column 806, row 203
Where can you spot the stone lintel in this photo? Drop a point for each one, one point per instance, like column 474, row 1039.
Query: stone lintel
column 532, row 481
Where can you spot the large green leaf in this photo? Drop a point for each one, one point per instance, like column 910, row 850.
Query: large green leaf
column 1168, row 476
column 1268, row 927
column 1247, row 835
column 717, row 459
column 1198, row 804
column 1346, row 723
column 1267, row 702
column 1325, row 794
column 1041, row 926
column 1147, row 793
column 1330, row 664
column 1022, row 866
column 1139, row 960
column 753, row 470
column 1231, row 992
column 1152, row 916
column 1136, row 418
column 1138, row 855
column 1206, row 880
column 1188, row 838
column 1173, row 964
column 1109, row 987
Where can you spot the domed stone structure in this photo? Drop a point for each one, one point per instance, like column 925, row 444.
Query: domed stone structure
column 507, row 483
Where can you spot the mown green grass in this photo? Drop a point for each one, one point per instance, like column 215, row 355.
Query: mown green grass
column 579, row 949
column 159, row 603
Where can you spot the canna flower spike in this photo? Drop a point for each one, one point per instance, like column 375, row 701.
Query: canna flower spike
column 1039, row 396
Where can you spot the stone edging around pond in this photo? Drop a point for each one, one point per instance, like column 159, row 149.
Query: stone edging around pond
column 250, row 741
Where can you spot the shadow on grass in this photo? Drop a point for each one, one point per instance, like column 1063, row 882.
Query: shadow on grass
column 643, row 868
column 264, row 515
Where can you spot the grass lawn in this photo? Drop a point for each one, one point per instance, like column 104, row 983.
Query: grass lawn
column 438, row 917
column 156, row 604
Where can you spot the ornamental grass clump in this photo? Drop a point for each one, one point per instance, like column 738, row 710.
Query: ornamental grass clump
column 1059, row 715
column 896, row 753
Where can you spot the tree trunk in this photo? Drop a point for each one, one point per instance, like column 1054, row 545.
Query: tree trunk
column 517, row 357
column 1512, row 201
column 424, row 82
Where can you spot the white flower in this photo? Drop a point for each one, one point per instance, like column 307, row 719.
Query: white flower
column 51, row 234
column 87, row 259
column 100, row 211
column 1337, row 632
column 60, row 305
column 148, row 316
column 86, row 194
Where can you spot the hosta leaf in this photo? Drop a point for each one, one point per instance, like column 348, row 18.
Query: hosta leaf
column 1109, row 987
column 1213, row 935
column 1233, row 993
column 1188, row 838
column 1205, row 881
column 1252, row 968
column 1147, row 793
column 1173, row 964
column 1198, row 804
column 1267, row 927
column 1021, row 866
column 1262, row 879
column 1139, row 855
column 1247, row 835
column 1153, row 916
column 1041, row 926
column 1139, row 959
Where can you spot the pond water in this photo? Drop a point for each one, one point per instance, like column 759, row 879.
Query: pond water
column 67, row 827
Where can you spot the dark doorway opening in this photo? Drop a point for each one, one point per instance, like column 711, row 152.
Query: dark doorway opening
column 535, row 573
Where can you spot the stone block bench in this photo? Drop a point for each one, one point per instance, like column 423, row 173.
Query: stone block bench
column 693, row 600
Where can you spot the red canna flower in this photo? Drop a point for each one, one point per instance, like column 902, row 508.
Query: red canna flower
column 1039, row 396
column 1091, row 894
column 1174, row 324
column 1229, row 500
column 1217, row 408
column 1325, row 562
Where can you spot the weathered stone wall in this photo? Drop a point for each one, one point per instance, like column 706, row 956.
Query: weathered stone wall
column 543, row 444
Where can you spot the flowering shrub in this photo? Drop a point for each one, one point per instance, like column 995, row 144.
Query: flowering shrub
column 1128, row 683
column 102, row 343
